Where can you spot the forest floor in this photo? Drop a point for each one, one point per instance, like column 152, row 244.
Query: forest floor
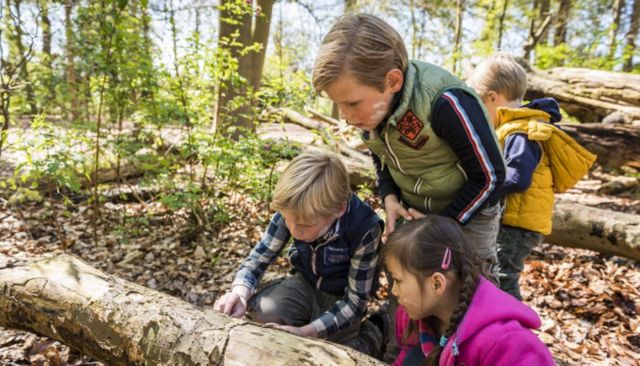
column 589, row 303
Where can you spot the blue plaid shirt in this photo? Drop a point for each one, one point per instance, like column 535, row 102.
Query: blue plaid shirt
column 362, row 269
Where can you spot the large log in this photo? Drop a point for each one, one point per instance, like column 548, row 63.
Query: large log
column 589, row 95
column 615, row 145
column 604, row 231
column 121, row 323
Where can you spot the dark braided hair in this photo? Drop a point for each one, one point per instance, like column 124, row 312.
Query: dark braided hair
column 420, row 245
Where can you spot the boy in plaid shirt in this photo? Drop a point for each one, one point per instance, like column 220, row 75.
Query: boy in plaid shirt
column 335, row 245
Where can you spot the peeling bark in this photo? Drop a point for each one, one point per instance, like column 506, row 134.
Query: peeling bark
column 122, row 323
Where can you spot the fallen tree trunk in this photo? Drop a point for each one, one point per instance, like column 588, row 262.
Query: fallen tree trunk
column 589, row 95
column 615, row 145
column 604, row 231
column 121, row 323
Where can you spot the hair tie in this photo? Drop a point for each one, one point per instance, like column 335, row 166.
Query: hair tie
column 446, row 259
column 443, row 341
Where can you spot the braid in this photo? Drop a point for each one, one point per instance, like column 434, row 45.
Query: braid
column 469, row 277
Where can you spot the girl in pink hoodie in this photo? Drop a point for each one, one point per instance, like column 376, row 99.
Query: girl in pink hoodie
column 450, row 314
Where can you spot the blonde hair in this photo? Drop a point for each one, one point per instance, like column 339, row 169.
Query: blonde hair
column 500, row 73
column 314, row 185
column 363, row 46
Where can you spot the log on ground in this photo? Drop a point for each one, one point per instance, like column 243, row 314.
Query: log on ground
column 604, row 231
column 122, row 323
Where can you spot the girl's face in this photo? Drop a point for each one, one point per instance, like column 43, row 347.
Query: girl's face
column 364, row 106
column 420, row 298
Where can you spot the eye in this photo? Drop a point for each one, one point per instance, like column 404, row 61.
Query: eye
column 353, row 104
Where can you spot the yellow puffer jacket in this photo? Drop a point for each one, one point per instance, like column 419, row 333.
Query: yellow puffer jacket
column 564, row 162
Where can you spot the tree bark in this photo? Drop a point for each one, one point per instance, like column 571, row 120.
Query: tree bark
column 630, row 36
column 46, row 49
column 22, row 51
column 122, row 323
column 457, row 35
column 503, row 14
column 562, row 19
column 589, row 95
column 615, row 145
column 70, row 68
column 603, row 231
column 261, row 36
column 618, row 6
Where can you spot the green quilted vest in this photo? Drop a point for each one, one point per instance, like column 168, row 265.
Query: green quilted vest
column 422, row 164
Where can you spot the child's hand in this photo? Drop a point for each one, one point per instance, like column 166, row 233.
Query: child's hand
column 234, row 302
column 416, row 214
column 394, row 210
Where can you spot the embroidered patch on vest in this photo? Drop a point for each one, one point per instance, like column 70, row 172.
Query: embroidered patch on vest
column 334, row 255
column 415, row 144
column 410, row 126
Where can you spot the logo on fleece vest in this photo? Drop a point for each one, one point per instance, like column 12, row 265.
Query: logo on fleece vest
column 333, row 255
column 409, row 128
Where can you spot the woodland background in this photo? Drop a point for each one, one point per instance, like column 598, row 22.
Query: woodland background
column 145, row 138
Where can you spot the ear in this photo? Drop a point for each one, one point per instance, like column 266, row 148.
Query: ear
column 492, row 96
column 394, row 80
column 438, row 283
column 343, row 209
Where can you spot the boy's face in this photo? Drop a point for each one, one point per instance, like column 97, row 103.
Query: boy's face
column 307, row 230
column 364, row 106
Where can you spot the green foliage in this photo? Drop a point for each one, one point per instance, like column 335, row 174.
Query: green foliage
column 52, row 156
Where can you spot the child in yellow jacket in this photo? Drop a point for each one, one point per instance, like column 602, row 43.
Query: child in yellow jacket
column 541, row 160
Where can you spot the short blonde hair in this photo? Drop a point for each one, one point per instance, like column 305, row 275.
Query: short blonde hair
column 363, row 46
column 314, row 185
column 500, row 73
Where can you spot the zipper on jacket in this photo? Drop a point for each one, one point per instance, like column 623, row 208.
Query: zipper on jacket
column 314, row 269
column 392, row 155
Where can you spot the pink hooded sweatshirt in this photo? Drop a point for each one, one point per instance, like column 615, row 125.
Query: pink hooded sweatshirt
column 496, row 330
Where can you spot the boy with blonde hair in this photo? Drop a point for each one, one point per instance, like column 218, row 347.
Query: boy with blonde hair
column 540, row 158
column 434, row 151
column 334, row 252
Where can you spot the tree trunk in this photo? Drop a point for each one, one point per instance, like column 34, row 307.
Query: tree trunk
column 458, row 35
column 615, row 145
column 261, row 36
column 46, row 49
column 618, row 6
column 630, row 36
column 231, row 24
column 122, row 323
column 603, row 231
column 562, row 19
column 72, row 80
column 588, row 95
column 503, row 14
column 24, row 71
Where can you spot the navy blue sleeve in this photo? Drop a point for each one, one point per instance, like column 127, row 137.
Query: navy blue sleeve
column 384, row 181
column 458, row 118
column 522, row 157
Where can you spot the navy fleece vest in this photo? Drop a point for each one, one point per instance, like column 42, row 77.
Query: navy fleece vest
column 326, row 264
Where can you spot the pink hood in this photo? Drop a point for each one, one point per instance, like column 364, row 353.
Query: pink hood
column 496, row 330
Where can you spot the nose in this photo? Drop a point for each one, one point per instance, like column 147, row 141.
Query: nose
column 394, row 290
column 344, row 113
